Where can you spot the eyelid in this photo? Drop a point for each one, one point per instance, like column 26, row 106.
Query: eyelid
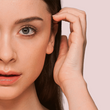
column 29, row 26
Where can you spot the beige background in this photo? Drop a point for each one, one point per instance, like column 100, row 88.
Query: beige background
column 97, row 56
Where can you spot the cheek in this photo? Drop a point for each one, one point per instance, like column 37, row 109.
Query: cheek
column 32, row 60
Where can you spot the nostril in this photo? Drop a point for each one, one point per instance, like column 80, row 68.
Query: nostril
column 11, row 59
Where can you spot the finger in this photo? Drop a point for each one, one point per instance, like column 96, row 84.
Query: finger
column 63, row 46
column 65, row 8
column 74, row 20
column 79, row 13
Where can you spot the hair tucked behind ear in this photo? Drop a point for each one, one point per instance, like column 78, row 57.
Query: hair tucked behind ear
column 49, row 93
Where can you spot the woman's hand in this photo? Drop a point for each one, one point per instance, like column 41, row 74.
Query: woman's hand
column 69, row 65
column 68, row 70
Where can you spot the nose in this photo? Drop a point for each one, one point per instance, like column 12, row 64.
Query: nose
column 6, row 51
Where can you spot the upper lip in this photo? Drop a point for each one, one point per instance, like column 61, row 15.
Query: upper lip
column 9, row 73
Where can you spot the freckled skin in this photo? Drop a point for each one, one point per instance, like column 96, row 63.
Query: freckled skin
column 22, row 53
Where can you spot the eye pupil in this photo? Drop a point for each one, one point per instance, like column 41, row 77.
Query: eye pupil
column 26, row 30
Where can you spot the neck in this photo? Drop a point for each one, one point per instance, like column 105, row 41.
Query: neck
column 28, row 100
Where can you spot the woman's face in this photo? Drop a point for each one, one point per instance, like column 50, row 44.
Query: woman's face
column 20, row 52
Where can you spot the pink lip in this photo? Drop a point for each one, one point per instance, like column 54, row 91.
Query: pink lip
column 9, row 73
column 7, row 80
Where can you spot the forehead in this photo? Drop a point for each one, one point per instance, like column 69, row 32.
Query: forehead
column 15, row 9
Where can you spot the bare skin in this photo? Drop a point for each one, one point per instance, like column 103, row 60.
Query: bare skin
column 26, row 54
column 68, row 70
column 23, row 53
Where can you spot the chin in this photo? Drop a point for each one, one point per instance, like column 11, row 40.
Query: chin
column 8, row 93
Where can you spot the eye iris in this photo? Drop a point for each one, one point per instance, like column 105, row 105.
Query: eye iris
column 26, row 30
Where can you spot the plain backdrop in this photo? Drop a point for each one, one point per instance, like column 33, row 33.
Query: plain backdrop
column 97, row 54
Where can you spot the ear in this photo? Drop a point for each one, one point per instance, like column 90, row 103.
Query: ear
column 50, row 46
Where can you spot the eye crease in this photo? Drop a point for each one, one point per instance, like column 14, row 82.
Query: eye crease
column 28, row 29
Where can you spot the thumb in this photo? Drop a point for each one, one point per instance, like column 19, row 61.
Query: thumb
column 63, row 46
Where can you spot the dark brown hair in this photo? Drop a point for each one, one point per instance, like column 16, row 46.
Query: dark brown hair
column 49, row 93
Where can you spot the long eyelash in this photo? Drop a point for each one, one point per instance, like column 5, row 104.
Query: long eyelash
column 33, row 28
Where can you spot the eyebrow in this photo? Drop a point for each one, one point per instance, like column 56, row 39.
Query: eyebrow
column 29, row 19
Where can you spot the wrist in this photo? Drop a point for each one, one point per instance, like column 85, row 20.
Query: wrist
column 77, row 94
column 73, row 83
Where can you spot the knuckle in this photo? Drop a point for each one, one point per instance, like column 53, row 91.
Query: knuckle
column 79, row 38
column 77, row 18
column 63, row 9
column 83, row 13
column 83, row 40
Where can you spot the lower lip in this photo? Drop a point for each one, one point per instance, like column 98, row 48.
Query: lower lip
column 8, row 80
